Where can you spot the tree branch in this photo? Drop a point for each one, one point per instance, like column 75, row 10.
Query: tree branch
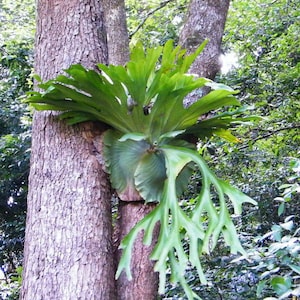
column 150, row 13
column 264, row 136
column 293, row 126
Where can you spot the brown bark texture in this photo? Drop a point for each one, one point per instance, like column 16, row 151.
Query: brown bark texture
column 205, row 20
column 68, row 246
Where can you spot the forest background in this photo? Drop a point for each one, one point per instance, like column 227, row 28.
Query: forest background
column 261, row 60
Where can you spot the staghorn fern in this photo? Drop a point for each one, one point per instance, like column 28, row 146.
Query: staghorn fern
column 146, row 150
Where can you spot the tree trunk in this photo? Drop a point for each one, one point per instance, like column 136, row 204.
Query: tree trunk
column 117, row 34
column 144, row 283
column 205, row 20
column 68, row 247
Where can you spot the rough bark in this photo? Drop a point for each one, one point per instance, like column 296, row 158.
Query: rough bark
column 205, row 20
column 68, row 247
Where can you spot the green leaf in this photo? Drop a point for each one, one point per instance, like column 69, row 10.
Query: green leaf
column 171, row 134
column 236, row 196
column 148, row 222
column 133, row 137
column 295, row 268
column 220, row 86
column 218, row 125
column 134, row 166
column 281, row 284
column 281, row 209
column 37, row 77
column 260, row 287
column 75, row 117
column 287, row 225
column 276, row 233
column 213, row 100
column 226, row 134
column 189, row 59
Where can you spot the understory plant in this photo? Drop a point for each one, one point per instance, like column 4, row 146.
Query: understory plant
column 148, row 153
column 278, row 258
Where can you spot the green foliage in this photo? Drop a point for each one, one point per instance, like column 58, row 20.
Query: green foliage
column 15, row 67
column 202, row 227
column 155, row 22
column 146, row 154
column 14, row 168
column 267, row 75
column 268, row 70
column 17, row 21
column 270, row 268
column 16, row 42
column 10, row 287
column 289, row 189
column 276, row 263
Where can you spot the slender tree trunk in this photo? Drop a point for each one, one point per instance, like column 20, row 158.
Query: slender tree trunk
column 144, row 283
column 205, row 20
column 117, row 34
column 68, row 247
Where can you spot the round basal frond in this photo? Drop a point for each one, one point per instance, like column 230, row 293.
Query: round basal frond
column 150, row 175
column 136, row 169
column 122, row 159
